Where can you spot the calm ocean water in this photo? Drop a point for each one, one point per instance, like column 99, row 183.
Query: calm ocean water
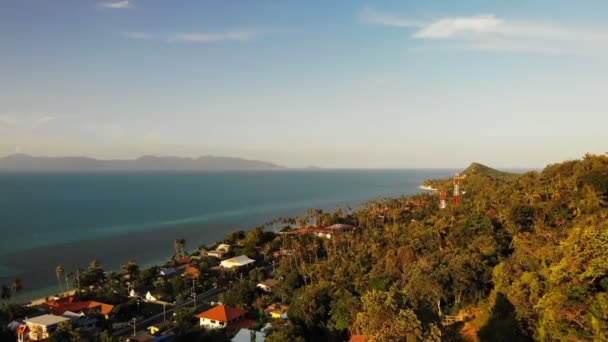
column 47, row 219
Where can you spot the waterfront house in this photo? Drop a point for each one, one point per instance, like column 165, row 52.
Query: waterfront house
column 236, row 262
column 41, row 327
column 268, row 284
column 59, row 306
column 221, row 316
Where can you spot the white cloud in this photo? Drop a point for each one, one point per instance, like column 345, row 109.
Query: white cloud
column 212, row 37
column 489, row 32
column 117, row 4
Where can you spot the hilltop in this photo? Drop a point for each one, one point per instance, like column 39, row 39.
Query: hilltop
column 480, row 169
column 473, row 172
column 23, row 162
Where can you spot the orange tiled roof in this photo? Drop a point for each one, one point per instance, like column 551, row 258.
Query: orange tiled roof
column 192, row 271
column 222, row 313
column 58, row 307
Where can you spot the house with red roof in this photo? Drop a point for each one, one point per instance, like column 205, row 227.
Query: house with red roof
column 60, row 306
column 223, row 316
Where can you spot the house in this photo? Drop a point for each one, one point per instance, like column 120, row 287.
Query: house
column 217, row 254
column 236, row 262
column 221, row 251
column 277, row 311
column 82, row 321
column 221, row 316
column 192, row 272
column 42, row 327
column 167, row 271
column 245, row 335
column 268, row 284
column 223, row 247
column 60, row 306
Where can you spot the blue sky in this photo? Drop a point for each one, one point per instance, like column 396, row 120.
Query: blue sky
column 327, row 83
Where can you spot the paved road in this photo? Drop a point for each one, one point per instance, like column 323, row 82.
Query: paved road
column 201, row 300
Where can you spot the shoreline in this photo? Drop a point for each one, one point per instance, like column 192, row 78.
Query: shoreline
column 427, row 187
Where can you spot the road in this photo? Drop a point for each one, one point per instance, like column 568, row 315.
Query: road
column 201, row 299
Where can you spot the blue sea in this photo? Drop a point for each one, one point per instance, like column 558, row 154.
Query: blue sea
column 71, row 219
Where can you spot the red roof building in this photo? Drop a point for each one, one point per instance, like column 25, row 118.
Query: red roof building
column 221, row 316
column 59, row 306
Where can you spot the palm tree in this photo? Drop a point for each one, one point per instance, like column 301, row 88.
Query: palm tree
column 17, row 286
column 67, row 280
column 5, row 294
column 59, row 271
column 179, row 247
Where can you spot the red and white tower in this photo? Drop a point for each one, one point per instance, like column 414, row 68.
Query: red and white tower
column 456, row 198
column 442, row 197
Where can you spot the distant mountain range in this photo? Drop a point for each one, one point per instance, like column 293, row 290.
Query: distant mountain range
column 23, row 162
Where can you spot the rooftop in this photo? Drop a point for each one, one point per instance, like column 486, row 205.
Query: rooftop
column 46, row 320
column 222, row 313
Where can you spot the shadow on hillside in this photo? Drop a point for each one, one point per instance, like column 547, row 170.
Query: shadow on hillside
column 503, row 324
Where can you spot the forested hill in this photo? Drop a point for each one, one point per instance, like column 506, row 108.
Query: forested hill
column 522, row 258
column 476, row 171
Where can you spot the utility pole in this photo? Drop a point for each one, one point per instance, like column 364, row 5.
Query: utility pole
column 194, row 291
column 134, row 326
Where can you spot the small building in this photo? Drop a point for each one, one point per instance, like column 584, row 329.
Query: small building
column 277, row 311
column 268, row 285
column 41, row 327
column 236, row 262
column 167, row 271
column 221, row 316
column 245, row 335
column 192, row 272
column 217, row 254
column 223, row 247
column 82, row 321
column 155, row 296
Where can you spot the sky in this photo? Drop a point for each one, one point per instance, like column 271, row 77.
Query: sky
column 344, row 84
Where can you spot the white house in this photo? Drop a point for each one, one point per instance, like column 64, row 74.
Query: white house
column 42, row 326
column 236, row 262
column 268, row 284
column 220, row 317
column 223, row 247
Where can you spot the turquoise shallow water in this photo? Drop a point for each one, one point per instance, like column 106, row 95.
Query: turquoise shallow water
column 46, row 219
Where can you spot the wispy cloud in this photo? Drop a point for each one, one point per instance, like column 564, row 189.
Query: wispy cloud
column 139, row 35
column 25, row 120
column 198, row 37
column 7, row 120
column 117, row 4
column 45, row 119
column 212, row 37
column 489, row 32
